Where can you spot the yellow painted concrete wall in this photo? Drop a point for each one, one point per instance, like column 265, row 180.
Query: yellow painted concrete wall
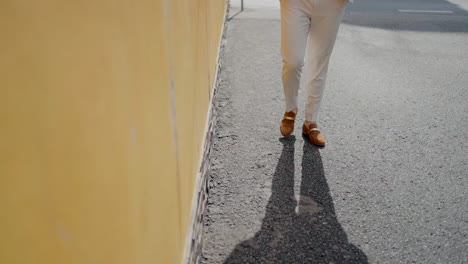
column 103, row 106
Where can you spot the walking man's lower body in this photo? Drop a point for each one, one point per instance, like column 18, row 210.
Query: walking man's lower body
column 308, row 33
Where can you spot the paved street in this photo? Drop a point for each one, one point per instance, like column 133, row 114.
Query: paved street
column 391, row 186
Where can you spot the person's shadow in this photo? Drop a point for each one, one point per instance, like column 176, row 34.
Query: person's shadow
column 301, row 229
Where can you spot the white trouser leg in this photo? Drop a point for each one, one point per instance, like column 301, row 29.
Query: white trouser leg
column 325, row 21
column 295, row 24
column 311, row 23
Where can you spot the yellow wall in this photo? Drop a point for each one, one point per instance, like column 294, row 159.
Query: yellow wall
column 97, row 158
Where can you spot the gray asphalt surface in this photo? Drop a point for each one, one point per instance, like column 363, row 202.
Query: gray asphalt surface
column 391, row 186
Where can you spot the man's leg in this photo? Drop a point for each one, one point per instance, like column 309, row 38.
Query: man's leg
column 326, row 17
column 294, row 31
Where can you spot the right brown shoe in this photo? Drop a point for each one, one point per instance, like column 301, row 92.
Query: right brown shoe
column 315, row 136
column 287, row 124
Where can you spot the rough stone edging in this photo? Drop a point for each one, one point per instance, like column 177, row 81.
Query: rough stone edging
column 201, row 199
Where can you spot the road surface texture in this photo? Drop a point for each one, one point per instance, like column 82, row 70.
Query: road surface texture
column 391, row 185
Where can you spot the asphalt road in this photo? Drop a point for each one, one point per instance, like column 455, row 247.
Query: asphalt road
column 391, row 186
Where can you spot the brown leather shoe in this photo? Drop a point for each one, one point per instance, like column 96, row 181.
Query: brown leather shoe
column 287, row 124
column 315, row 136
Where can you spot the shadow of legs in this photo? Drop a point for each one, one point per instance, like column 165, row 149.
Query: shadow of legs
column 322, row 239
column 301, row 228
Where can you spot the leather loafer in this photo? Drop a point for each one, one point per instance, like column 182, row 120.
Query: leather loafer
column 287, row 124
column 314, row 134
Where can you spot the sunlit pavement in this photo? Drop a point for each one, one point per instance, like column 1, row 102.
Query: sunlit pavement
column 391, row 184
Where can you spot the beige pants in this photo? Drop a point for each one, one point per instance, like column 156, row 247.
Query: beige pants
column 312, row 26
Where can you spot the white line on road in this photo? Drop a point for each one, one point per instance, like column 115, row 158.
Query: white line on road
column 425, row 11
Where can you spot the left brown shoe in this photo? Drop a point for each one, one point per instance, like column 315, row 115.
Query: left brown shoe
column 315, row 136
column 287, row 124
